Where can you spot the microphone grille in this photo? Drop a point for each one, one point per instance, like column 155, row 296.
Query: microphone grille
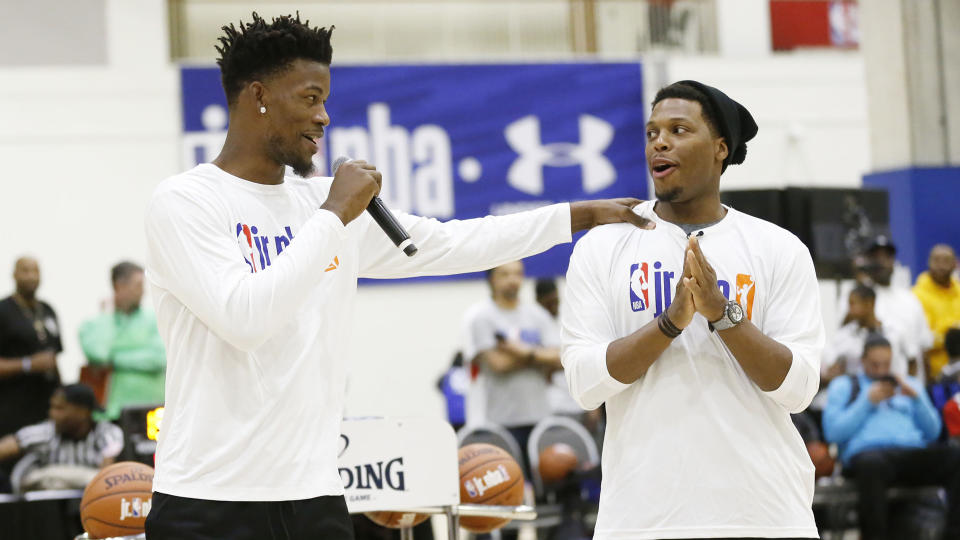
column 337, row 163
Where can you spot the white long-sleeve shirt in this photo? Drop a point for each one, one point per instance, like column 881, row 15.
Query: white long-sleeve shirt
column 254, row 288
column 695, row 449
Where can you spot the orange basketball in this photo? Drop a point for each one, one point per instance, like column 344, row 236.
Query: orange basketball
column 556, row 462
column 488, row 475
column 117, row 500
column 820, row 456
column 397, row 520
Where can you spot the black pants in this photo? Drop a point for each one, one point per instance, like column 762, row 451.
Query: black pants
column 181, row 518
column 876, row 470
column 522, row 436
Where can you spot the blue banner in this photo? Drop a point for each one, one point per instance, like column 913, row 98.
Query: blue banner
column 464, row 141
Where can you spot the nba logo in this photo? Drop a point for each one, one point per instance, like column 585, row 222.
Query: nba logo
column 639, row 287
column 245, row 238
column 746, row 290
column 471, row 489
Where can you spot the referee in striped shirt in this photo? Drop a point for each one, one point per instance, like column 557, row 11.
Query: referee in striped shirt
column 65, row 451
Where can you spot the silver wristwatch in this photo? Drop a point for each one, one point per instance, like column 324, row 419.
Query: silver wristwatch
column 732, row 316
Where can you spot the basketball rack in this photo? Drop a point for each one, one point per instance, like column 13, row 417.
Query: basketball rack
column 452, row 512
column 375, row 452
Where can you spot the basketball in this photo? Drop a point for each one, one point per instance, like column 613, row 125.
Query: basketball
column 397, row 520
column 556, row 462
column 117, row 500
column 820, row 456
column 488, row 475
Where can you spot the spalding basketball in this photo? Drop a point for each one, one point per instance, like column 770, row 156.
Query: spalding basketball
column 820, row 456
column 397, row 520
column 117, row 500
column 488, row 475
column 556, row 462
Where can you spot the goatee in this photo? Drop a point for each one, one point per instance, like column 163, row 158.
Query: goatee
column 669, row 195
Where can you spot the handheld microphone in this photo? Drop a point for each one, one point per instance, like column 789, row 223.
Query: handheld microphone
column 384, row 217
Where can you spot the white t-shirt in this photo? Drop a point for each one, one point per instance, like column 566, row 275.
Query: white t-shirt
column 254, row 288
column 694, row 449
column 900, row 310
column 519, row 397
column 847, row 345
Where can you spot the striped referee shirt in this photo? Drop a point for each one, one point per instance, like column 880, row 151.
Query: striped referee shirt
column 43, row 446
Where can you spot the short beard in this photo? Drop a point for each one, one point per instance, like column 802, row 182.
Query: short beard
column 304, row 169
column 510, row 295
column 669, row 195
column 28, row 294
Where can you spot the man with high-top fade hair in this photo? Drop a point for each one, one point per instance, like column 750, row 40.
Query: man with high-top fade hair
column 253, row 272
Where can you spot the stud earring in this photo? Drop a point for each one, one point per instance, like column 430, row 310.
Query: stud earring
column 263, row 109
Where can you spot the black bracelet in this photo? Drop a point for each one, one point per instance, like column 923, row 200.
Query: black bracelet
column 670, row 325
column 667, row 327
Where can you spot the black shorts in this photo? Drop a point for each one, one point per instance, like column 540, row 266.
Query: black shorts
column 182, row 518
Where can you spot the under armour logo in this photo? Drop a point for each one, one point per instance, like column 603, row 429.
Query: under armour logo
column 526, row 173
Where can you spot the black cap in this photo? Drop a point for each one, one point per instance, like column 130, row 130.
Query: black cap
column 881, row 242
column 736, row 123
column 82, row 395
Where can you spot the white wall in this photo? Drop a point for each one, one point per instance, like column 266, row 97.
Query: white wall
column 743, row 28
column 83, row 147
column 810, row 107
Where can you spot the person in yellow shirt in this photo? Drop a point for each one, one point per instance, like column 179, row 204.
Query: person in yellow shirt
column 939, row 293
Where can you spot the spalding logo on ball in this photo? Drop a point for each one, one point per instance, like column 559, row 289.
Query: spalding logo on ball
column 488, row 475
column 116, row 502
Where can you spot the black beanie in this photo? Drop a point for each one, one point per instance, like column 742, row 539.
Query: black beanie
column 736, row 125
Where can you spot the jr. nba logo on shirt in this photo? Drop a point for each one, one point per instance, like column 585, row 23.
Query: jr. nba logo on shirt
column 255, row 247
column 663, row 283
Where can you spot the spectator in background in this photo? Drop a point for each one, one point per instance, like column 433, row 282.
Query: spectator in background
column 945, row 392
column 65, row 451
column 557, row 394
column 126, row 339
column 454, row 385
column 939, row 293
column 29, row 344
column 883, row 425
column 515, row 345
column 896, row 307
column 842, row 354
column 547, row 296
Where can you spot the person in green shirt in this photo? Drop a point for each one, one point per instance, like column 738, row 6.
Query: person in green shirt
column 127, row 340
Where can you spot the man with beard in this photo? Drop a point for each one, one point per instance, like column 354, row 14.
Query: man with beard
column 515, row 345
column 896, row 306
column 939, row 293
column 253, row 274
column 29, row 343
column 701, row 337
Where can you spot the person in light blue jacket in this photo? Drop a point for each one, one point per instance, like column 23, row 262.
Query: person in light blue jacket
column 884, row 425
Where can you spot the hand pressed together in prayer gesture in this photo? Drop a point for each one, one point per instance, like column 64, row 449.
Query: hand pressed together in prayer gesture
column 681, row 310
column 701, row 280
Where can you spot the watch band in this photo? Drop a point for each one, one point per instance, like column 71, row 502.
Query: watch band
column 726, row 322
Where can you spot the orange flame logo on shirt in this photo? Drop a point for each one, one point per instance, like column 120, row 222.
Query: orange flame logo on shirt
column 746, row 290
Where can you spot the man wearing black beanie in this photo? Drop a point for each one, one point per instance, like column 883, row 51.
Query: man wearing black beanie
column 701, row 337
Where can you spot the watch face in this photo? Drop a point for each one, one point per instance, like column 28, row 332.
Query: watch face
column 735, row 312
